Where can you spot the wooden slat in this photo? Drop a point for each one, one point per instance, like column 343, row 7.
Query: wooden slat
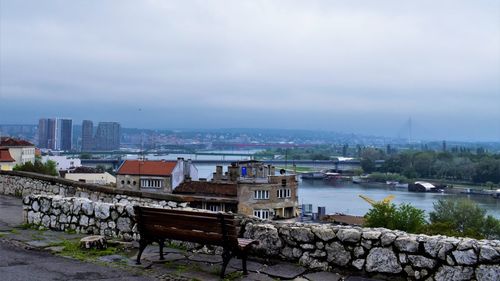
column 206, row 214
column 187, row 224
column 190, row 236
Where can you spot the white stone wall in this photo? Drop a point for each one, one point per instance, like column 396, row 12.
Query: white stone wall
column 376, row 251
column 85, row 216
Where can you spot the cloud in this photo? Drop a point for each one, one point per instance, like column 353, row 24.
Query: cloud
column 356, row 58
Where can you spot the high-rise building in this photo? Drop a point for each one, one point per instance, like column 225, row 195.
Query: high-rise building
column 47, row 133
column 55, row 134
column 87, row 135
column 64, row 134
column 107, row 136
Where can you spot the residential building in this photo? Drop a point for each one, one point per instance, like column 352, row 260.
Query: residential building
column 87, row 135
column 258, row 190
column 7, row 163
column 160, row 175
column 90, row 175
column 63, row 163
column 107, row 136
column 20, row 150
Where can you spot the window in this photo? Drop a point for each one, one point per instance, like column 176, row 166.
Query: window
column 261, row 213
column 214, row 207
column 123, row 182
column 283, row 193
column 134, row 183
column 283, row 182
column 261, row 194
column 151, row 183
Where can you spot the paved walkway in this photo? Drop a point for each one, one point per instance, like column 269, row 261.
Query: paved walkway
column 25, row 254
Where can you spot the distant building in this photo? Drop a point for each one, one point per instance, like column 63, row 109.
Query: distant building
column 55, row 134
column 87, row 135
column 20, row 150
column 90, row 175
column 160, row 175
column 64, row 134
column 63, row 163
column 258, row 190
column 107, row 136
column 47, row 133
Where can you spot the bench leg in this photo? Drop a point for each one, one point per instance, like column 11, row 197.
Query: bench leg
column 142, row 245
column 226, row 256
column 244, row 263
column 162, row 244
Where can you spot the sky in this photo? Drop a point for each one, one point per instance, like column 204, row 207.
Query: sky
column 348, row 66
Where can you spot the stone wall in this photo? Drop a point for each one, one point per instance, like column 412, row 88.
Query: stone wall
column 21, row 184
column 378, row 252
column 85, row 216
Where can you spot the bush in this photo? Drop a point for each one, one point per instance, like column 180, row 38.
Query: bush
column 49, row 168
column 405, row 217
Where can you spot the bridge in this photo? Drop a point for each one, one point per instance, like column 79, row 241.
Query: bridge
column 115, row 163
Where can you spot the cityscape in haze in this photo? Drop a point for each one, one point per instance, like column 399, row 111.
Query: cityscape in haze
column 314, row 140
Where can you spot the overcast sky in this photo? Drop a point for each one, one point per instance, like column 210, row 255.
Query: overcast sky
column 348, row 66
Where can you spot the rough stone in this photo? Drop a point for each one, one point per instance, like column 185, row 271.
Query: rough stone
column 372, row 235
column 455, row 273
column 349, row 235
column 88, row 208
column 403, row 258
column 358, row 264
column 102, row 211
column 487, row 253
column 387, row 238
column 358, row 252
column 382, row 260
column 301, row 234
column 465, row 257
column 337, row 254
column 267, row 235
column 422, row 262
column 407, row 244
column 488, row 272
column 324, row 233
column 123, row 224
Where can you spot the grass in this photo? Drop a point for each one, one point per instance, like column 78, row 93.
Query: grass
column 72, row 249
column 233, row 276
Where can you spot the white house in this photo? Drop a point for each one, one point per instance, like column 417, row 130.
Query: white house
column 20, row 150
column 63, row 162
column 93, row 178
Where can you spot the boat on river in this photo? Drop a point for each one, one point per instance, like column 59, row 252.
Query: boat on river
column 313, row 176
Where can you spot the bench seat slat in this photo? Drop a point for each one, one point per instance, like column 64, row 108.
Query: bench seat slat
column 186, row 224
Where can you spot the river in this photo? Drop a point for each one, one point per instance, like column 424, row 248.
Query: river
column 344, row 197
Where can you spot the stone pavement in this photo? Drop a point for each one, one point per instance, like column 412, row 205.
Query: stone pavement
column 25, row 255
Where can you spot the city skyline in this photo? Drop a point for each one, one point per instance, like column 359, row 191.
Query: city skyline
column 364, row 68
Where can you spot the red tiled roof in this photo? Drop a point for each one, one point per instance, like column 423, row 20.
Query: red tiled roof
column 207, row 188
column 5, row 155
column 147, row 168
column 7, row 141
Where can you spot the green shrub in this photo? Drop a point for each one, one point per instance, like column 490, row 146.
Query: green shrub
column 404, row 217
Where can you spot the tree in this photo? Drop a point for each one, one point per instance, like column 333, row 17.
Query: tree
column 462, row 217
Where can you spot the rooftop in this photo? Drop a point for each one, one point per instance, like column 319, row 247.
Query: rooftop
column 147, row 168
column 10, row 142
column 5, row 155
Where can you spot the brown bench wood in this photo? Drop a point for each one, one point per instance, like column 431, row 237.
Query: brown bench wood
column 157, row 225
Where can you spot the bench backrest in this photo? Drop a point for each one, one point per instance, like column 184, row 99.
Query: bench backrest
column 199, row 227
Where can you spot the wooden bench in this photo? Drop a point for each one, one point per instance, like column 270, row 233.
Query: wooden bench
column 156, row 225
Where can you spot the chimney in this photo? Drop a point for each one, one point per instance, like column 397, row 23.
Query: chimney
column 218, row 173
